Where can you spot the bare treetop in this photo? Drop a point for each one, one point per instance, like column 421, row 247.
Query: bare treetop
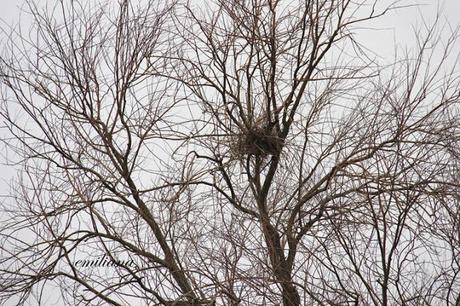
column 229, row 153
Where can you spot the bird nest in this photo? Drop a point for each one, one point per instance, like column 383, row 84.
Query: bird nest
column 257, row 141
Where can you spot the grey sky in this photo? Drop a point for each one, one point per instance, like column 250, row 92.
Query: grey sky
column 396, row 27
column 397, row 23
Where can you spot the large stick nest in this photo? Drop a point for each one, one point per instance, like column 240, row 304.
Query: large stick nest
column 257, row 141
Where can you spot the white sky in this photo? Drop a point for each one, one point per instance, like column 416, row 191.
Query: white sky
column 396, row 27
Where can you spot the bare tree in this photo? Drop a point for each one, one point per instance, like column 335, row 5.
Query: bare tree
column 231, row 153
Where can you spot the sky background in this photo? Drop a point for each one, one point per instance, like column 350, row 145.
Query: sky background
column 396, row 28
column 381, row 36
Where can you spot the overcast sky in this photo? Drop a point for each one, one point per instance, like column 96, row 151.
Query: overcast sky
column 396, row 27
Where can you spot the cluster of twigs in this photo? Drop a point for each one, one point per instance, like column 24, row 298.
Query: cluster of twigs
column 257, row 140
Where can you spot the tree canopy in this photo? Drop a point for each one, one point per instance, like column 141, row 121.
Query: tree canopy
column 233, row 153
